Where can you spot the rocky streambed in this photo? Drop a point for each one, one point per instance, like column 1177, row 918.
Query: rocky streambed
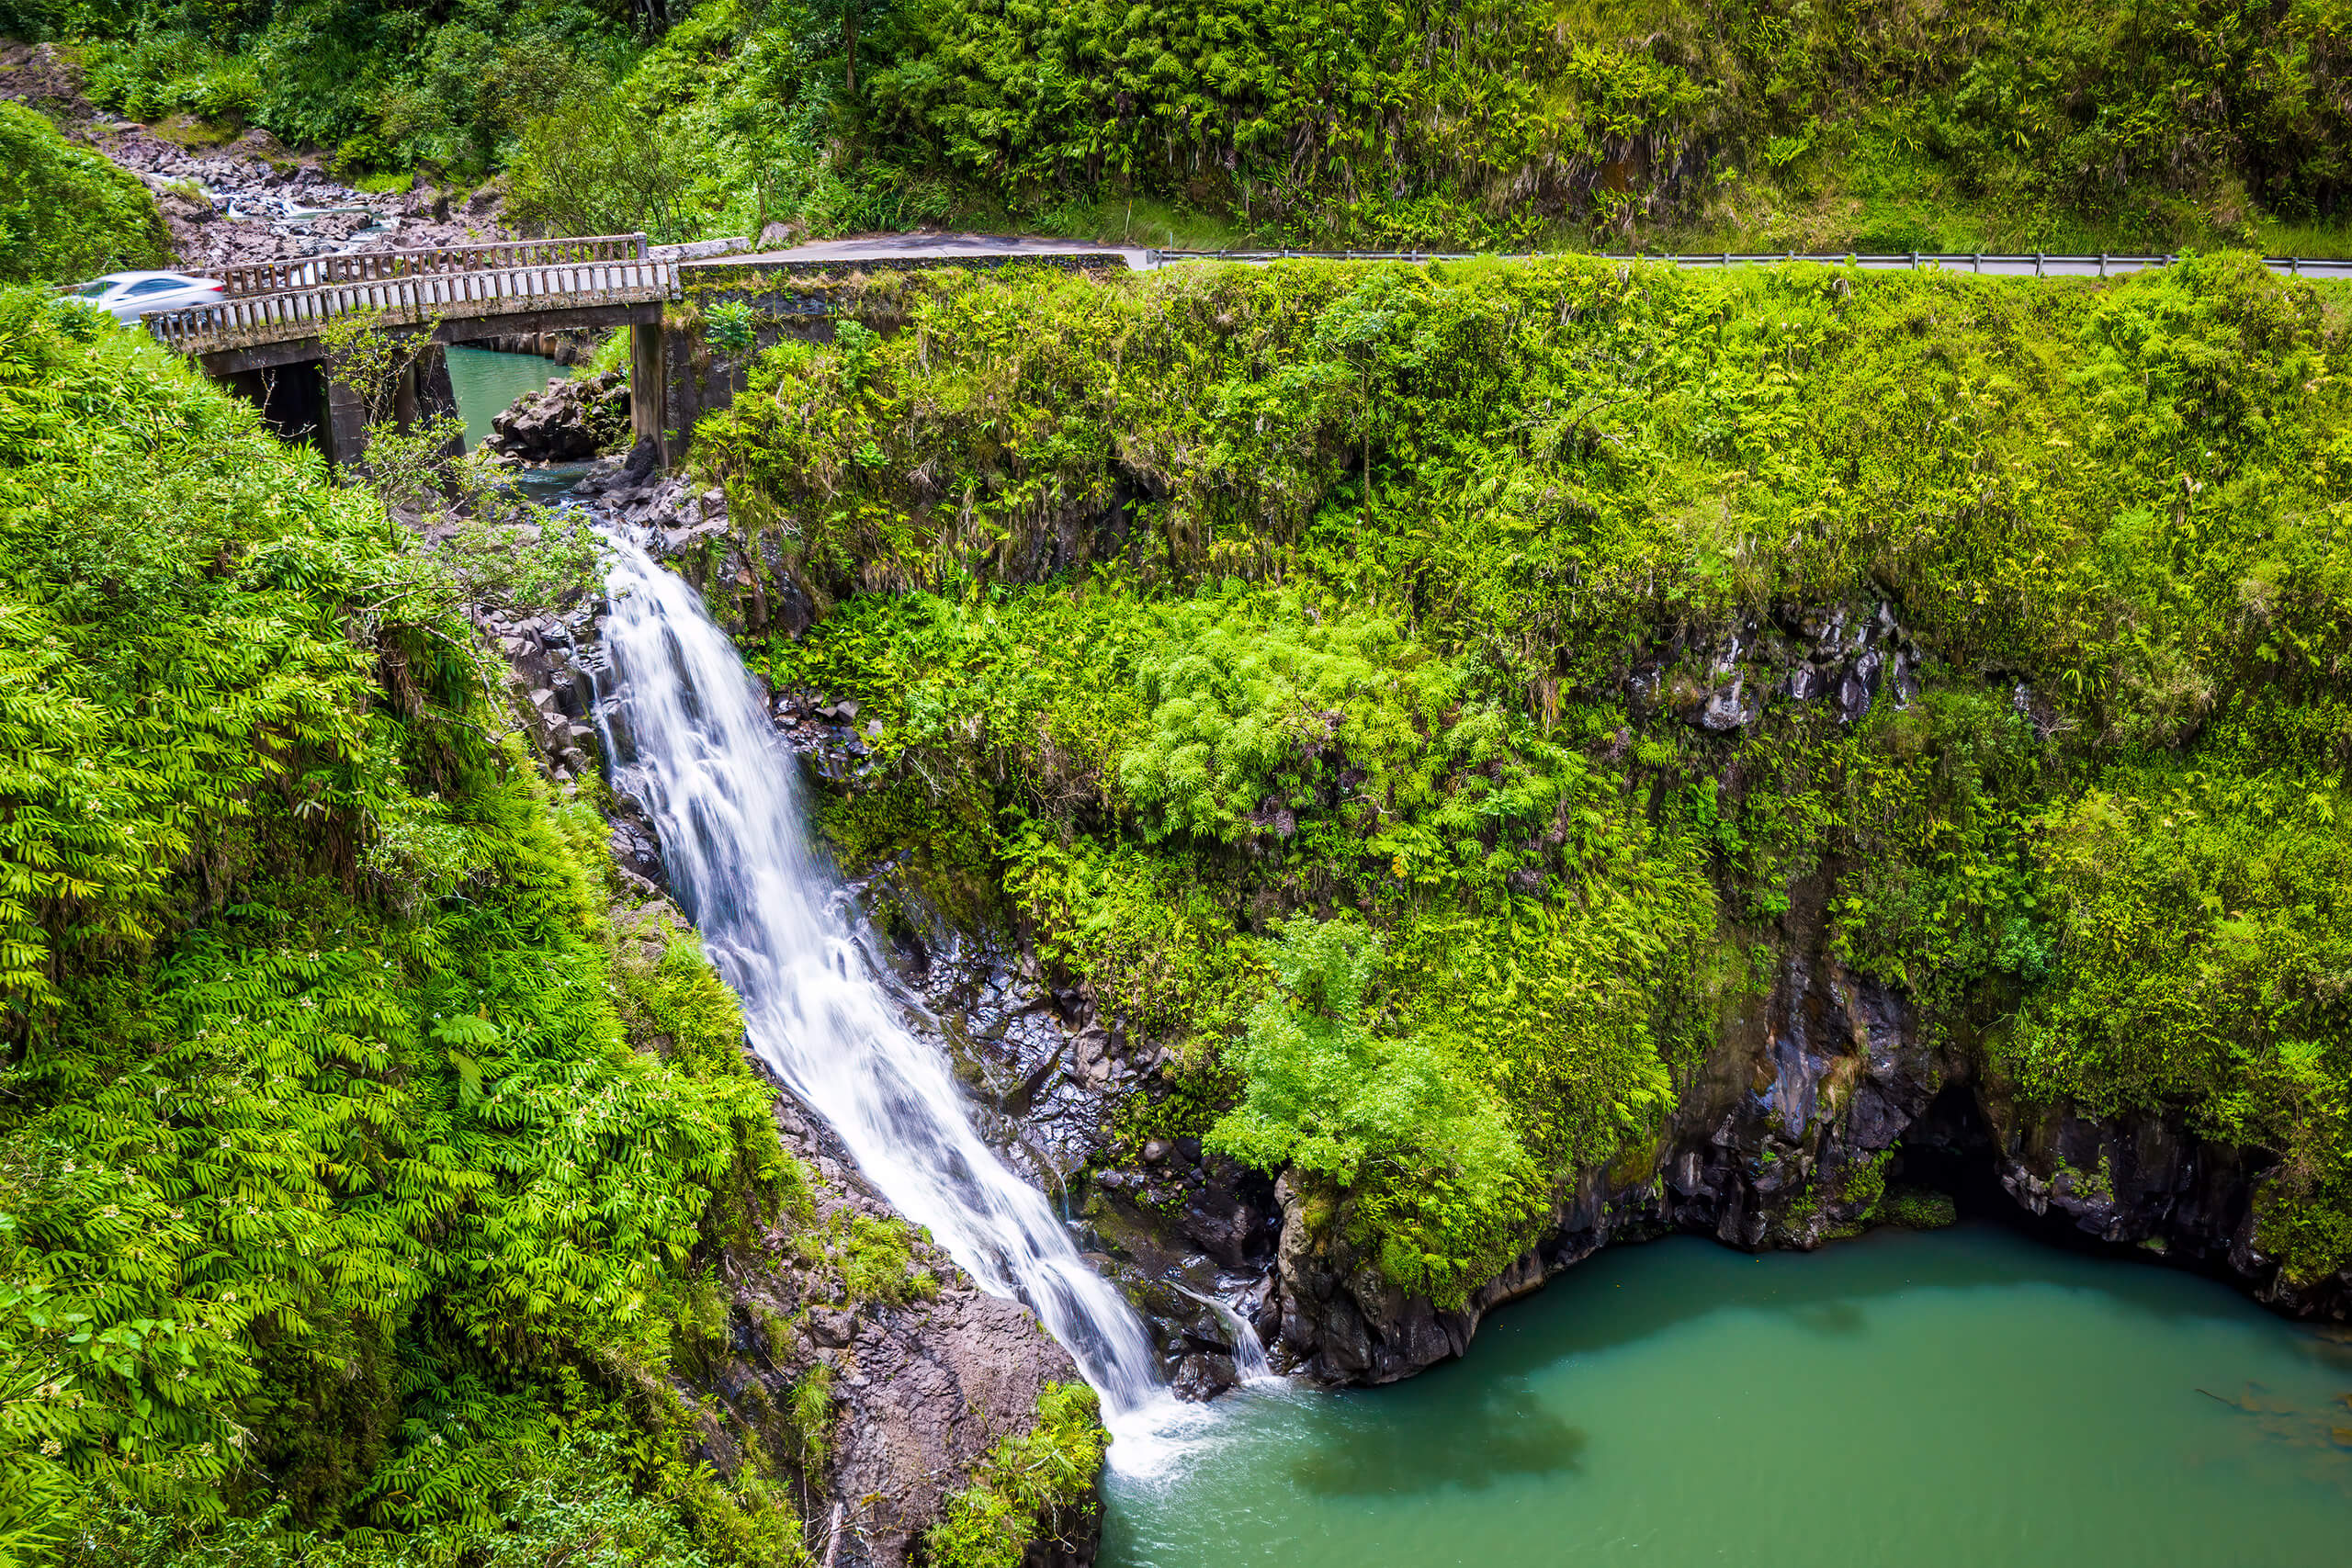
column 250, row 198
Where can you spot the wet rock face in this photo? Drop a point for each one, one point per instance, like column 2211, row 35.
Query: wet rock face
column 752, row 580
column 1189, row 1235
column 1842, row 654
column 2144, row 1179
column 573, row 419
column 549, row 658
column 826, row 733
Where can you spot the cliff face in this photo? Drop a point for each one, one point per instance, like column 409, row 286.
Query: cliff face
column 1812, row 1103
column 1817, row 1096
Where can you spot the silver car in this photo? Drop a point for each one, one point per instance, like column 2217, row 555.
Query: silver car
column 127, row 296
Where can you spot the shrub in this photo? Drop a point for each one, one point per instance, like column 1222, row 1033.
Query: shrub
column 69, row 214
column 1024, row 1487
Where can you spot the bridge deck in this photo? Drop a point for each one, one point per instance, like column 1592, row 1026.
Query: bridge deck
column 374, row 266
column 577, row 282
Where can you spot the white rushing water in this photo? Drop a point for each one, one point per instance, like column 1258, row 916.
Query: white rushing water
column 690, row 741
column 1249, row 1363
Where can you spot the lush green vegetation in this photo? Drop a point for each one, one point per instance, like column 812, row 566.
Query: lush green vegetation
column 1024, row 1487
column 1200, row 607
column 347, row 1204
column 67, row 213
column 1887, row 125
column 378, row 85
column 1864, row 124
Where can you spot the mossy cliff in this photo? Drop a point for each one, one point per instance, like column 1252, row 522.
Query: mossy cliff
column 1525, row 750
column 383, row 1180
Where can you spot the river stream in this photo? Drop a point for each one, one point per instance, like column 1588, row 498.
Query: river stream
column 487, row 380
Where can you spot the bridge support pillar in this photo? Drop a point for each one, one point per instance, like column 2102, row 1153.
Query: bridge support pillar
column 421, row 391
column 343, row 429
column 648, row 400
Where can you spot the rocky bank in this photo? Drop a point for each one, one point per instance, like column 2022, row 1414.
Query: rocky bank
column 571, row 420
column 250, row 199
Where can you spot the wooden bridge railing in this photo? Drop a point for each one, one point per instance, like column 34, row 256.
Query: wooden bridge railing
column 371, row 267
column 412, row 299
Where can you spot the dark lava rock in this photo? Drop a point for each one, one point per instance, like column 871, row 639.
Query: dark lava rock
column 1202, row 1376
column 573, row 418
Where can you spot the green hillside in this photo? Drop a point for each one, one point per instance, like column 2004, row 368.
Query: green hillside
column 1885, row 125
column 333, row 1190
column 67, row 213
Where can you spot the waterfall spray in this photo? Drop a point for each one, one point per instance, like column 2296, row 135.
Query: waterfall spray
column 690, row 741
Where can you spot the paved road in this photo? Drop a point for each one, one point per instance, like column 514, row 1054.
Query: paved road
column 884, row 250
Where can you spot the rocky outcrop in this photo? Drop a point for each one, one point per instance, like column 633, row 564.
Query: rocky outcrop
column 38, row 76
column 1784, row 1140
column 1843, row 654
column 2148, row 1181
column 1808, row 1108
column 574, row 418
column 921, row 1389
column 548, row 659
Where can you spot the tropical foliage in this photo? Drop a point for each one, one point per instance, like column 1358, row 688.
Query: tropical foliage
column 1213, row 600
column 1746, row 125
column 68, row 214
column 1023, row 1487
column 333, row 1192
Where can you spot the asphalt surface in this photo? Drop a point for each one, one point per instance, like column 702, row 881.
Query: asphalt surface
column 883, row 250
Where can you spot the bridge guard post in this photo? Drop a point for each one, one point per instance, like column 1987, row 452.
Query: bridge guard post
column 648, row 386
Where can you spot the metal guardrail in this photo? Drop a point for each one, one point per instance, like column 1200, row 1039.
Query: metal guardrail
column 412, row 300
column 2035, row 264
column 368, row 267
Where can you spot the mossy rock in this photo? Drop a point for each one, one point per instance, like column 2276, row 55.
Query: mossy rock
column 1918, row 1209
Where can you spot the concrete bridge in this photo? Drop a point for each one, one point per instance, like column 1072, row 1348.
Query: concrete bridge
column 265, row 337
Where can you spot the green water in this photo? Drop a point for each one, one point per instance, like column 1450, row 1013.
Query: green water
column 487, row 380
column 1957, row 1400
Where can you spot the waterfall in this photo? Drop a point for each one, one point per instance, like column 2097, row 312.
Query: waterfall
column 690, row 741
column 1249, row 1363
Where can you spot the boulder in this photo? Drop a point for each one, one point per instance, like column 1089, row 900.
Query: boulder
column 571, row 421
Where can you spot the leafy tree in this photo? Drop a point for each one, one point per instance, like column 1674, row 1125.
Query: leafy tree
column 1331, row 1097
